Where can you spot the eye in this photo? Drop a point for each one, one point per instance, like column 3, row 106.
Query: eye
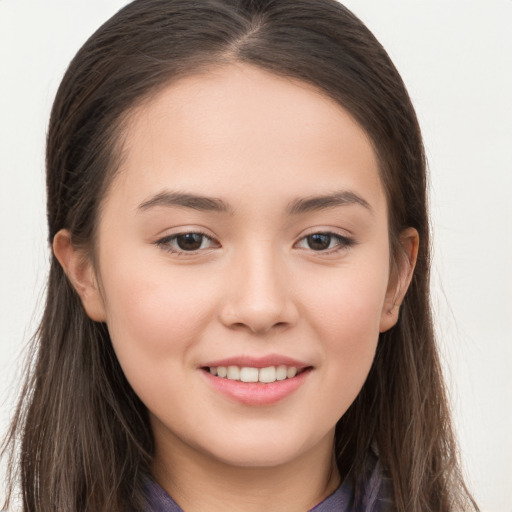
column 187, row 242
column 325, row 242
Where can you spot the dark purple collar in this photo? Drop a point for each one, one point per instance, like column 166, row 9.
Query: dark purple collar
column 376, row 497
column 340, row 500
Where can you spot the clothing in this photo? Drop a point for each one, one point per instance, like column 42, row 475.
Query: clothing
column 340, row 500
column 377, row 495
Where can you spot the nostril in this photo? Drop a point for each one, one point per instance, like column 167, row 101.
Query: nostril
column 260, row 314
column 260, row 328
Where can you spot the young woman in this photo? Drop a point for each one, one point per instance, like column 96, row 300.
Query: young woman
column 238, row 309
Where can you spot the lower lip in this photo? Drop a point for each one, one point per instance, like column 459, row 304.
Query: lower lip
column 254, row 393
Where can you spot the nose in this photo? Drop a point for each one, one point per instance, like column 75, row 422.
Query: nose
column 259, row 294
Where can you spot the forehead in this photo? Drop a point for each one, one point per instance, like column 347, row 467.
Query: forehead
column 238, row 128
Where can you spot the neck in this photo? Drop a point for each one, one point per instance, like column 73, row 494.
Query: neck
column 198, row 481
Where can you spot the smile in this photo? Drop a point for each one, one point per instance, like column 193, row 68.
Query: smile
column 250, row 374
column 256, row 381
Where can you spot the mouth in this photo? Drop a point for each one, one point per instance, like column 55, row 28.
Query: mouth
column 256, row 381
column 252, row 374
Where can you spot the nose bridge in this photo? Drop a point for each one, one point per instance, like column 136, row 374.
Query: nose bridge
column 259, row 295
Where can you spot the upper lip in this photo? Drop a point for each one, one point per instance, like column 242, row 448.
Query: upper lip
column 257, row 362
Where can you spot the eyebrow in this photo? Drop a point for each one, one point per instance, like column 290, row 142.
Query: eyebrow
column 214, row 204
column 315, row 203
column 185, row 200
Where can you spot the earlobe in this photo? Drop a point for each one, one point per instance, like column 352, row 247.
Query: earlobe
column 80, row 273
column 400, row 278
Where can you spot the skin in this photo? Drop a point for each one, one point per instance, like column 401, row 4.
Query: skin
column 255, row 287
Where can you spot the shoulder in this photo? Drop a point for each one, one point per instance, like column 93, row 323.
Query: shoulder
column 158, row 500
column 378, row 487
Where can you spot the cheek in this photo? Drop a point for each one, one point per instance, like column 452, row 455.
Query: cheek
column 155, row 323
column 346, row 316
column 154, row 317
column 348, row 306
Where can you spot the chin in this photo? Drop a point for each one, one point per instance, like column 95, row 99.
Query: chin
column 261, row 451
column 250, row 457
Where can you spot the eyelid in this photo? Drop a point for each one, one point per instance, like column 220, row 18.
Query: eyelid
column 164, row 242
column 345, row 242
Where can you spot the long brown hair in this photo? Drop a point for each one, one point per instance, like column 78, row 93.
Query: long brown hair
column 81, row 439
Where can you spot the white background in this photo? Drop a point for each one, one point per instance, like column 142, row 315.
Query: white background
column 456, row 59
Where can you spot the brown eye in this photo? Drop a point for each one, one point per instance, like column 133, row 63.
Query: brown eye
column 325, row 242
column 319, row 241
column 189, row 241
column 184, row 243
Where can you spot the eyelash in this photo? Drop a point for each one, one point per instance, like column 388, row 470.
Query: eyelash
column 165, row 243
column 343, row 242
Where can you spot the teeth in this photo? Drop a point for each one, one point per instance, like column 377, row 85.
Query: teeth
column 291, row 372
column 248, row 374
column 233, row 373
column 267, row 374
column 281, row 372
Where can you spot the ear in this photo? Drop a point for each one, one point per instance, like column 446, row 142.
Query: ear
column 80, row 273
column 400, row 278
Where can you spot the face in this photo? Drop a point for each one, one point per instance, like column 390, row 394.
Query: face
column 245, row 233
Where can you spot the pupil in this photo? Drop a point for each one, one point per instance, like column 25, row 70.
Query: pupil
column 189, row 241
column 319, row 241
